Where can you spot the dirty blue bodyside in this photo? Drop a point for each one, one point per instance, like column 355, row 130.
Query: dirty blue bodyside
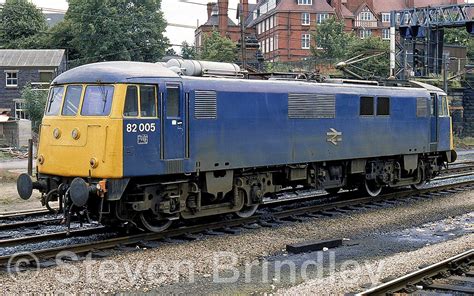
column 252, row 128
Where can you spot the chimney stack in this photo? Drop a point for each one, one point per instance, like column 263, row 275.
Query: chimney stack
column 223, row 16
column 337, row 5
column 245, row 8
column 210, row 6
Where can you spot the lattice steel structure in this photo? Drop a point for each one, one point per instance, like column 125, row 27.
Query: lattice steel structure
column 418, row 48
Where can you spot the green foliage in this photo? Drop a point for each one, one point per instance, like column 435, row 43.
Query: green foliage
column 22, row 25
column 218, row 49
column 112, row 30
column 331, row 40
column 459, row 36
column 373, row 67
column 334, row 45
column 188, row 51
column 35, row 100
column 171, row 52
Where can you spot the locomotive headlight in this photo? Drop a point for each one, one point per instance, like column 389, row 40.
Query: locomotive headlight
column 41, row 159
column 57, row 133
column 75, row 134
column 93, row 162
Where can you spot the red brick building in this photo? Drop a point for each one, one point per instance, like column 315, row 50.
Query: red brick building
column 219, row 20
column 283, row 27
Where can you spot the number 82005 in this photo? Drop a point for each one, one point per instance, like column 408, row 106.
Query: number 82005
column 142, row 127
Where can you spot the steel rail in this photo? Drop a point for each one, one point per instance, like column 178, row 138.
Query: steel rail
column 15, row 214
column 219, row 225
column 415, row 277
column 30, row 223
column 50, row 236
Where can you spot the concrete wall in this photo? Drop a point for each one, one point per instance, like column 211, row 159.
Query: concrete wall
column 15, row 133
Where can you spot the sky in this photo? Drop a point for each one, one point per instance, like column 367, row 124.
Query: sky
column 175, row 11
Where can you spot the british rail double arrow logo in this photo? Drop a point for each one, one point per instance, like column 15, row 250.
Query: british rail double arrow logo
column 334, row 136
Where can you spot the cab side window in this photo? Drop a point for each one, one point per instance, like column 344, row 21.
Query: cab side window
column 148, row 101
column 131, row 102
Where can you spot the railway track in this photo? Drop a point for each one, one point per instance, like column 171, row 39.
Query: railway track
column 29, row 223
column 22, row 214
column 50, row 236
column 453, row 276
column 268, row 219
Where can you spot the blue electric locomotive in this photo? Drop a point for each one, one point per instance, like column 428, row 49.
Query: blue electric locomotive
column 138, row 143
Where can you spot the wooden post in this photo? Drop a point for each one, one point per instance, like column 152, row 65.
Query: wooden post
column 30, row 157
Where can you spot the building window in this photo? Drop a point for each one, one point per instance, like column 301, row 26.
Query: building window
column 321, row 17
column 365, row 15
column 46, row 76
column 305, row 41
column 20, row 109
column 385, row 17
column 271, row 22
column 11, row 78
column 272, row 44
column 305, row 2
column 386, row 34
column 305, row 19
column 364, row 33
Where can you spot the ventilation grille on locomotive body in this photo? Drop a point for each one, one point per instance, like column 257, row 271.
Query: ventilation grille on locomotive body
column 311, row 106
column 205, row 104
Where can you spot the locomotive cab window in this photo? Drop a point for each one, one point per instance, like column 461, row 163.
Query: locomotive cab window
column 131, row 102
column 172, row 102
column 72, row 100
column 383, row 106
column 443, row 106
column 54, row 100
column 148, row 101
column 366, row 106
column 97, row 100
column 140, row 100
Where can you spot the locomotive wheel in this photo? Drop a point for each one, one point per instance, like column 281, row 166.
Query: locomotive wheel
column 372, row 188
column 246, row 211
column 153, row 223
column 421, row 184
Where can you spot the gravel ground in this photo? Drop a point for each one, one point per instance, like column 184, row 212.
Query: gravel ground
column 400, row 264
column 189, row 266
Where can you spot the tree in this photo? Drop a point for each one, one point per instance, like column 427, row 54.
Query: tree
column 35, row 100
column 171, row 52
column 112, row 30
column 218, row 49
column 459, row 36
column 373, row 67
column 331, row 40
column 22, row 25
column 188, row 51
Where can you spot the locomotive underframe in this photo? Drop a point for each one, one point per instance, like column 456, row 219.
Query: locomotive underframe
column 173, row 197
